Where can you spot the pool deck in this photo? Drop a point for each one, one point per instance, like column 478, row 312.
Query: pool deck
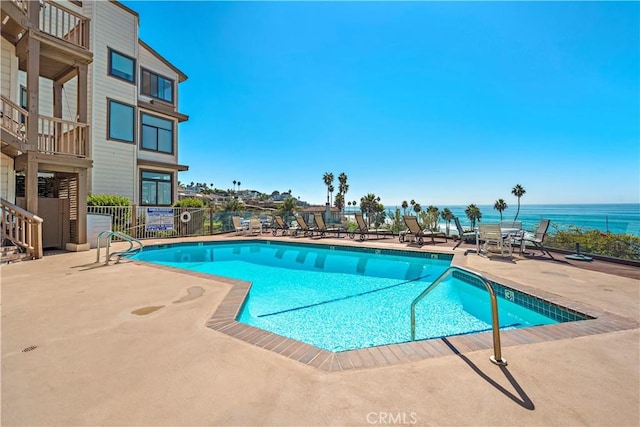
column 128, row 344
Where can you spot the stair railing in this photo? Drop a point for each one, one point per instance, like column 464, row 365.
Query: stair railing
column 22, row 228
column 108, row 236
column 497, row 350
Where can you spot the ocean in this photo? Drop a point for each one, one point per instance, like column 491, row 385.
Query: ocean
column 619, row 218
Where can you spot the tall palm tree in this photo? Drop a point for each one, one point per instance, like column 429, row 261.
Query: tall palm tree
column 339, row 201
column 331, row 189
column 239, row 185
column 343, row 187
column 518, row 191
column 328, row 180
column 405, row 205
column 447, row 215
column 500, row 205
column 234, row 185
column 474, row 214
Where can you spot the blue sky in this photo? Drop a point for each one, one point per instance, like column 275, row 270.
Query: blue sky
column 446, row 103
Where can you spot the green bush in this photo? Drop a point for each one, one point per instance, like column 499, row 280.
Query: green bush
column 624, row 246
column 107, row 200
column 189, row 202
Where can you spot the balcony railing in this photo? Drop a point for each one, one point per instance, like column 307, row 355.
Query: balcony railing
column 63, row 23
column 22, row 4
column 13, row 118
column 55, row 136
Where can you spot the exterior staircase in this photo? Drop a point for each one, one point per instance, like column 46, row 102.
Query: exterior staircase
column 10, row 253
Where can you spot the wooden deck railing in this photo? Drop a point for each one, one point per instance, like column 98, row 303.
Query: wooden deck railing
column 13, row 118
column 57, row 136
column 64, row 23
column 22, row 4
column 22, row 228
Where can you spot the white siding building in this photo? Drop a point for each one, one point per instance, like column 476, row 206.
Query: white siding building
column 87, row 107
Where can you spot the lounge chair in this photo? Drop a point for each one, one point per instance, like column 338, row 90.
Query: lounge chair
column 461, row 233
column 537, row 238
column 304, row 227
column 322, row 229
column 279, row 224
column 238, row 226
column 365, row 232
column 491, row 236
column 255, row 226
column 416, row 232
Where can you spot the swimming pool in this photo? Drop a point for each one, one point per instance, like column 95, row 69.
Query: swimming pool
column 340, row 298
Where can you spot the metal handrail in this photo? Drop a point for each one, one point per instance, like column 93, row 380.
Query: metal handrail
column 497, row 351
column 109, row 234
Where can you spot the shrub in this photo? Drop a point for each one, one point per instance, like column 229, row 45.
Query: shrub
column 107, row 200
column 189, row 202
column 625, row 246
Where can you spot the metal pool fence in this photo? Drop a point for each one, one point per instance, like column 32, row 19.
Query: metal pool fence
column 137, row 221
column 185, row 222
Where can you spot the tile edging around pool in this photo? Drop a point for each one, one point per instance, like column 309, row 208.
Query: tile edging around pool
column 224, row 321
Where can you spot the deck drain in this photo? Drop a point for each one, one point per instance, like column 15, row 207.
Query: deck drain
column 30, row 348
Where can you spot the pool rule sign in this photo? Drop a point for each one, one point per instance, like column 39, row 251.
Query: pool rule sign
column 159, row 219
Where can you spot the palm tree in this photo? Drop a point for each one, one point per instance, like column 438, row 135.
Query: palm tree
column 369, row 204
column 234, row 185
column 328, row 180
column 474, row 214
column 233, row 205
column 518, row 191
column 500, row 205
column 343, row 187
column 405, row 205
column 331, row 188
column 238, row 185
column 416, row 207
column 339, row 201
column 287, row 209
column 447, row 215
column 433, row 213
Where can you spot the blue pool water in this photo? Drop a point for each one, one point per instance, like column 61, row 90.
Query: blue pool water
column 340, row 299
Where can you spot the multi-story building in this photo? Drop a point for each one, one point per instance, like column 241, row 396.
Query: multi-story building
column 87, row 107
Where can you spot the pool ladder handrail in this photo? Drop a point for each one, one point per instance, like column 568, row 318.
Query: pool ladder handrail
column 497, row 351
column 129, row 251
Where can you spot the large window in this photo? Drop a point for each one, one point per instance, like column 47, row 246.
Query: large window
column 156, row 188
column 157, row 134
column 122, row 66
column 121, row 121
column 157, row 86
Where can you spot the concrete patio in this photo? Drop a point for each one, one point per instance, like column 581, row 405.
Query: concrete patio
column 127, row 344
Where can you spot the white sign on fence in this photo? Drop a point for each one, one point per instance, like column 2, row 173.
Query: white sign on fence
column 159, row 219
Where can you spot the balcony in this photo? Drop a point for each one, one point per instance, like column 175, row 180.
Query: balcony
column 55, row 136
column 62, row 33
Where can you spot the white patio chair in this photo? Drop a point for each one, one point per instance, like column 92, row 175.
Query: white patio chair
column 490, row 236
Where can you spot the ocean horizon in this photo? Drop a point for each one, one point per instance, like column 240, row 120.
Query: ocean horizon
column 618, row 218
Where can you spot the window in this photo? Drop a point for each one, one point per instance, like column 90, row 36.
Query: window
column 122, row 66
column 23, row 97
column 156, row 188
column 121, row 121
column 157, row 86
column 23, row 102
column 157, row 134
